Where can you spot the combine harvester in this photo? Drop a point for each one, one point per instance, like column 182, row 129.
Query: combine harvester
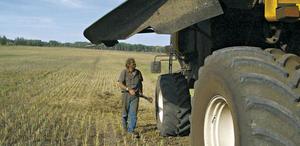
column 239, row 56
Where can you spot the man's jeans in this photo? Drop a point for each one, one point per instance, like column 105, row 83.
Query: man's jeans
column 130, row 110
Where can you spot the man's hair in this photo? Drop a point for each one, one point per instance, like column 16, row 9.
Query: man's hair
column 129, row 61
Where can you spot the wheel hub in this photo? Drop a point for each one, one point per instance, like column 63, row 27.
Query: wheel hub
column 218, row 124
column 160, row 107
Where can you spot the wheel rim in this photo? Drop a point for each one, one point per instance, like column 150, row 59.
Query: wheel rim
column 218, row 124
column 160, row 107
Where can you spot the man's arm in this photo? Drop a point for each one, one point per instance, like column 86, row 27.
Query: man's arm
column 141, row 89
column 141, row 81
column 121, row 80
column 122, row 86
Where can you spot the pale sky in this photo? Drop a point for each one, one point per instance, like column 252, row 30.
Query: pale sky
column 61, row 20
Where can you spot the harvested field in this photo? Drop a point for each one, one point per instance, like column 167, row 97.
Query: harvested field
column 64, row 96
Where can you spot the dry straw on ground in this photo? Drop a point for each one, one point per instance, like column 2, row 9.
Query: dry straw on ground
column 64, row 96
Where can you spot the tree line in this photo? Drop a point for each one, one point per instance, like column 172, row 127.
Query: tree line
column 53, row 43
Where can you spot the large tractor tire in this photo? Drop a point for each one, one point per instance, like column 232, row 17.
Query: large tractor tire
column 247, row 97
column 173, row 105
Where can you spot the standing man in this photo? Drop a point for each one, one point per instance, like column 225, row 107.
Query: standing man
column 130, row 81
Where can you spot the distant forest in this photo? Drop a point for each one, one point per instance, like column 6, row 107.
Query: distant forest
column 52, row 43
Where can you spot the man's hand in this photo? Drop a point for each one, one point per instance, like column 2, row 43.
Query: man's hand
column 131, row 92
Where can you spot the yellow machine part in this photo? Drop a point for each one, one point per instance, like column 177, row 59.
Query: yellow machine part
column 272, row 5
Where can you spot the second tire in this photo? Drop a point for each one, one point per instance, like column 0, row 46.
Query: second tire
column 173, row 105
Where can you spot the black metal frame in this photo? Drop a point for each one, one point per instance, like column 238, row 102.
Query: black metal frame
column 171, row 58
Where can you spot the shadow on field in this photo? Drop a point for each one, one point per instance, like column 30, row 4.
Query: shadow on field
column 148, row 128
column 105, row 95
